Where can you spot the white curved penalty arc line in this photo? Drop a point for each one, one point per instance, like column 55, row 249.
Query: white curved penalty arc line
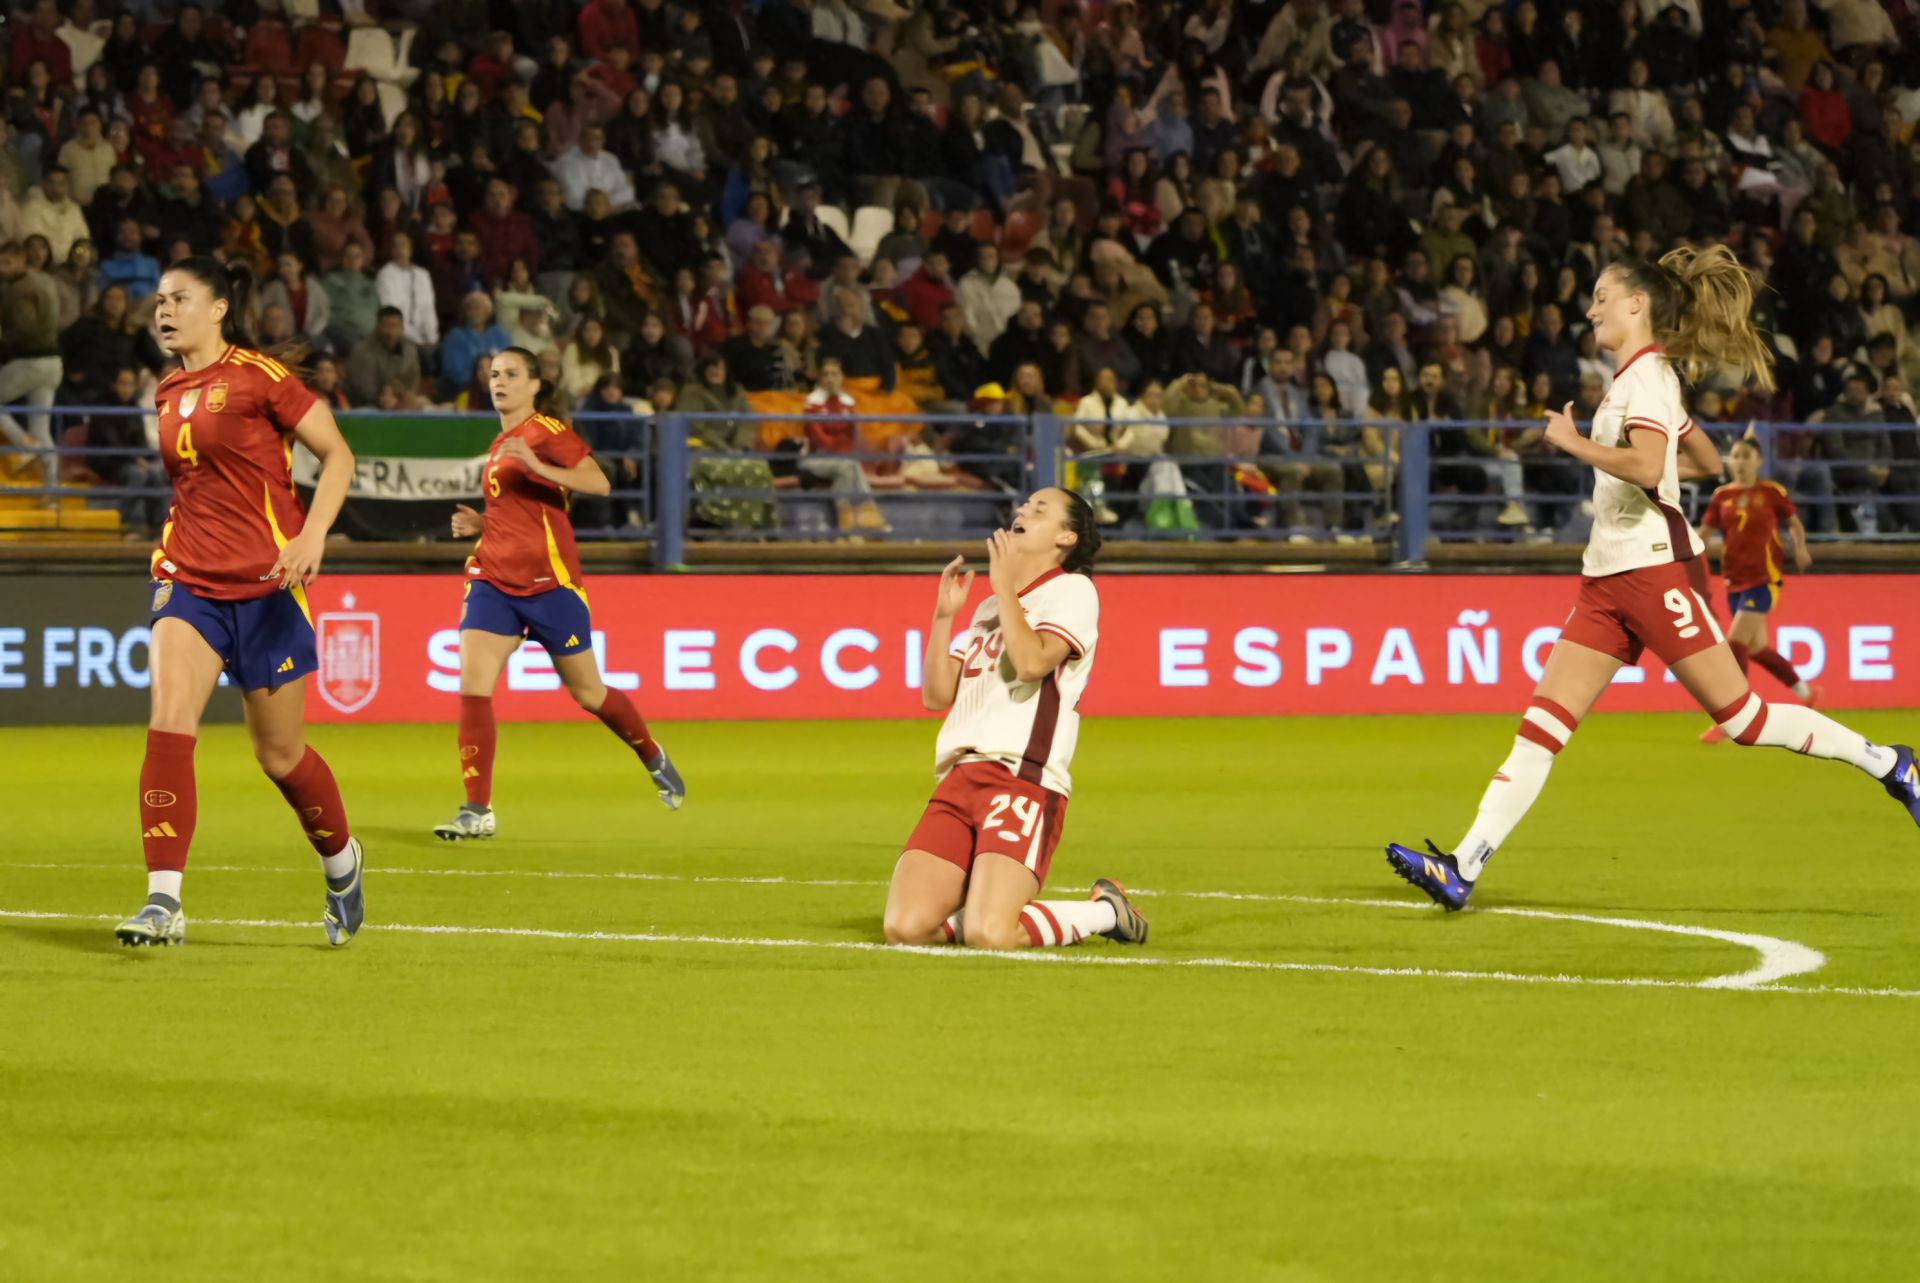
column 1034, row 956
column 1778, row 959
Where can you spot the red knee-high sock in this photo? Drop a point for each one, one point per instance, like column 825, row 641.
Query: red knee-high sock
column 1741, row 655
column 624, row 720
column 1776, row 663
column 169, row 802
column 311, row 791
column 478, row 735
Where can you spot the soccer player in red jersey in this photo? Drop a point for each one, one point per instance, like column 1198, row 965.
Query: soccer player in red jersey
column 230, row 587
column 1644, row 582
column 524, row 580
column 1748, row 514
column 1010, row 685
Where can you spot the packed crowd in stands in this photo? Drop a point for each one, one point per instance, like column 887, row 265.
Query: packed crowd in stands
column 1306, row 220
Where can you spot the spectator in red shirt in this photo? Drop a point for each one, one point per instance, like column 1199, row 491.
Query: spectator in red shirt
column 1824, row 108
column 928, row 290
column 494, row 66
column 36, row 41
column 505, row 233
column 615, row 71
column 606, row 23
column 764, row 283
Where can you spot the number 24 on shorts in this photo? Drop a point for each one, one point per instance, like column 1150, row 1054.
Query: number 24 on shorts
column 1027, row 814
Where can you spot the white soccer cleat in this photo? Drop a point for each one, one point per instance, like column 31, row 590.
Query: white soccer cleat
column 470, row 822
column 155, row 924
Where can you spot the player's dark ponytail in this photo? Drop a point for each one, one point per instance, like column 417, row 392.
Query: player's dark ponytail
column 232, row 282
column 1086, row 526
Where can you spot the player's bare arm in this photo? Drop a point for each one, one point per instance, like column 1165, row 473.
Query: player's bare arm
column 940, row 671
column 583, row 477
column 1033, row 655
column 1639, row 465
column 1700, row 458
column 1802, row 554
column 300, row 560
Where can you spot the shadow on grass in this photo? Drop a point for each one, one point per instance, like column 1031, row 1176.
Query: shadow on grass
column 98, row 938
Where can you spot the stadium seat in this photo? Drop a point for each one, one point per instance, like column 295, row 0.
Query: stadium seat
column 269, row 49
column 871, row 223
column 985, row 229
column 322, row 44
column 1022, row 226
column 73, row 468
column 836, row 218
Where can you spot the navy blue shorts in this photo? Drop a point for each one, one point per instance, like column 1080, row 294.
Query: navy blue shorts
column 558, row 618
column 1757, row 601
column 265, row 642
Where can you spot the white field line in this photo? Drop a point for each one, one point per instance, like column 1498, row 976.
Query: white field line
column 1777, row 959
column 1064, row 957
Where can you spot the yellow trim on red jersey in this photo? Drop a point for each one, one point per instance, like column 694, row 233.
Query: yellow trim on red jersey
column 550, row 423
column 298, row 590
column 558, row 564
column 160, row 553
column 272, row 368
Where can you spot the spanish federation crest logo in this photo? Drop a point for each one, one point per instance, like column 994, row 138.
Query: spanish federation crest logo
column 349, row 646
column 189, row 401
column 216, row 398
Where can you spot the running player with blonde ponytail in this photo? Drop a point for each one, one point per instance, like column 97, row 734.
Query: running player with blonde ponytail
column 1644, row 581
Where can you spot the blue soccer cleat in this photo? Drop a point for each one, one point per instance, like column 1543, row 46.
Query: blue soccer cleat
column 347, row 904
column 667, row 781
column 1903, row 781
column 1433, row 871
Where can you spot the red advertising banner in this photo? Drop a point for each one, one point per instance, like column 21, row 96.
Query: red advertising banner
column 722, row 647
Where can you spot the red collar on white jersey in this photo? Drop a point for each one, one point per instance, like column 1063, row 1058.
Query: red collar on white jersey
column 1651, row 347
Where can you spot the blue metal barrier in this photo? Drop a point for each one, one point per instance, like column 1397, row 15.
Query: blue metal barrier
column 1853, row 481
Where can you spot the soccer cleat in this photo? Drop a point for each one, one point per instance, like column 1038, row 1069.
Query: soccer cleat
column 469, row 821
column 1129, row 926
column 154, row 924
column 1712, row 735
column 1435, row 872
column 347, row 906
column 666, row 778
column 1903, row 781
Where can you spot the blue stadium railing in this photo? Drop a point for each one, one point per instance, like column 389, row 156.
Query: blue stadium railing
column 1427, row 485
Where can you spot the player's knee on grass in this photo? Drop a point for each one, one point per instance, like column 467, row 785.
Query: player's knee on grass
column 998, row 936
column 909, row 926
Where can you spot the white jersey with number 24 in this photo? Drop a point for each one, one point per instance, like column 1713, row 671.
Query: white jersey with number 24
column 1031, row 728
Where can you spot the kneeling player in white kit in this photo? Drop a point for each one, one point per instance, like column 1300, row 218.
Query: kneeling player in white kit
column 1010, row 686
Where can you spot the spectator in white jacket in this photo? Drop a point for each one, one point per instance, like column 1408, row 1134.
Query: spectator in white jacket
column 989, row 297
column 405, row 285
column 591, row 167
column 51, row 211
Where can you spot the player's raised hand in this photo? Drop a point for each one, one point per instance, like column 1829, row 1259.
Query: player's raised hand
column 516, row 448
column 467, row 522
column 1000, row 562
column 299, row 561
column 1562, row 432
column 956, row 584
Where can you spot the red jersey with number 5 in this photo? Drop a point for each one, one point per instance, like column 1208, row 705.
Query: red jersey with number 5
column 528, row 544
column 1749, row 518
column 226, row 436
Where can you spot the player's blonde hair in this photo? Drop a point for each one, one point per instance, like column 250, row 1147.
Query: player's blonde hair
column 1703, row 311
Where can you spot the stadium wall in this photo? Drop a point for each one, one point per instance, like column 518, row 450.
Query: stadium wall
column 726, row 647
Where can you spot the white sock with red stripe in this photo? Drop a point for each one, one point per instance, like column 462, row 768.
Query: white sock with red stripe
column 1052, row 922
column 1545, row 729
column 951, row 931
column 1752, row 721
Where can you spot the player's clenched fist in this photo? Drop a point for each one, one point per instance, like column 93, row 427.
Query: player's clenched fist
column 466, row 522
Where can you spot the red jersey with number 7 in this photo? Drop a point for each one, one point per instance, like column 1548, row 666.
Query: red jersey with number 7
column 528, row 545
column 1749, row 518
column 226, row 436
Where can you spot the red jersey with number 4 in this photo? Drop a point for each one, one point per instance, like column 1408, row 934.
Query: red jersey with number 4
column 226, row 435
column 528, row 544
column 1749, row 518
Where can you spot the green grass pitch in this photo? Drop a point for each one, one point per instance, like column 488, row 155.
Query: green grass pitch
column 465, row 1106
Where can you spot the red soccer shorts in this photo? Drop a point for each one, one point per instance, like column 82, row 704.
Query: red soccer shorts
column 1658, row 608
column 983, row 807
